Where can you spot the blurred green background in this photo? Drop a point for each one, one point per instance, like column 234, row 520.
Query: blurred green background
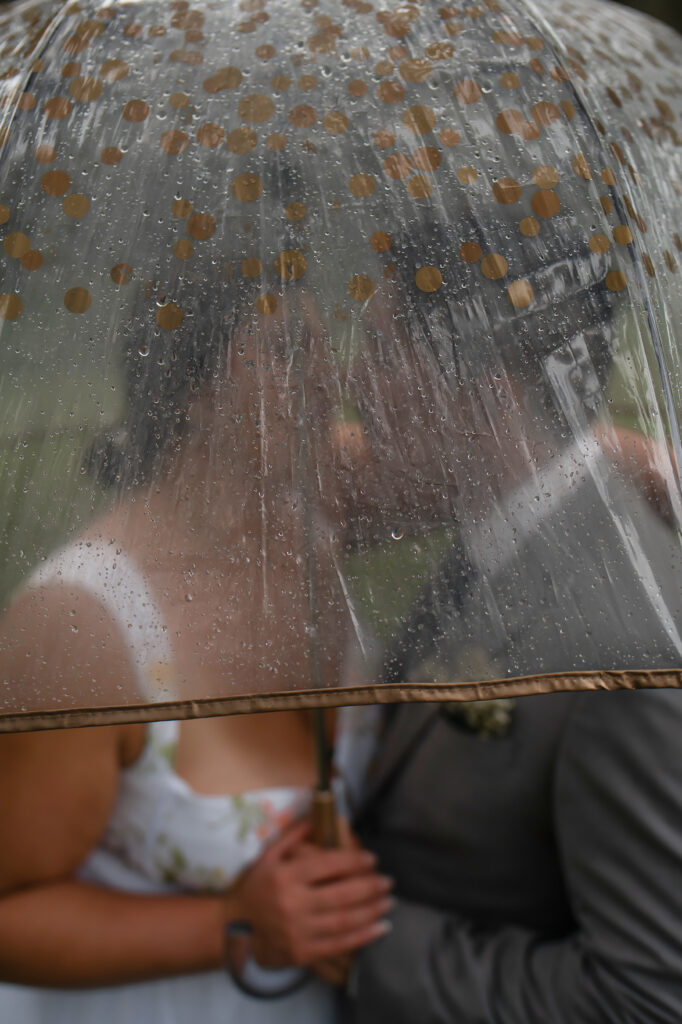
column 669, row 11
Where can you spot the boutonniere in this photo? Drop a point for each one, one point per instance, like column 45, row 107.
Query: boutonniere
column 489, row 719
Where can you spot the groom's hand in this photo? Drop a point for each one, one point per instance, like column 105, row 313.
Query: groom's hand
column 307, row 907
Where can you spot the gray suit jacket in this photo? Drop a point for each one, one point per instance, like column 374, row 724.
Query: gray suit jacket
column 539, row 875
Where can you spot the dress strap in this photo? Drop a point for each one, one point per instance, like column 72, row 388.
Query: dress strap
column 114, row 580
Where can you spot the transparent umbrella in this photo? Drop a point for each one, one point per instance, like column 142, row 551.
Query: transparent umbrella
column 341, row 355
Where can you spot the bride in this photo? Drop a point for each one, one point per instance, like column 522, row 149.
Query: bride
column 133, row 854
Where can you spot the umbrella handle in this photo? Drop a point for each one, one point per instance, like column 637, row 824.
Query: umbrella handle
column 324, row 819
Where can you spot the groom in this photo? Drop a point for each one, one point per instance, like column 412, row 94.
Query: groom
column 535, row 843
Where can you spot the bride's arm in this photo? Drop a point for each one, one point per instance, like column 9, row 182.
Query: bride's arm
column 57, row 791
column 56, row 797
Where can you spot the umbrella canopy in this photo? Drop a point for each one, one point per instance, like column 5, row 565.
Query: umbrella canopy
column 341, row 354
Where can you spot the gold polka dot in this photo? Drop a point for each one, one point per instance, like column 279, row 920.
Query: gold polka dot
column 27, row 101
column 607, row 176
column 111, row 155
column 251, row 266
column 545, row 176
column 290, row 264
column 335, row 123
column 449, row 137
column 10, row 306
column 427, row 158
column 276, row 142
column 520, row 294
column 440, row 50
column 545, row 113
column 622, row 234
column 470, row 252
column 415, row 69
column 266, row 51
column 174, row 141
column 545, row 203
column 616, row 281
column 419, row 119
column 428, row 279
column 247, row 187
column 179, row 100
column 467, row 175
column 183, row 249
column 384, row 138
column 362, row 185
column 600, row 243
column 606, row 204
column 295, row 211
column 58, row 108
column 77, row 300
column 32, row 260
column 256, row 108
column 381, row 241
column 468, row 91
column 303, row 116
column 181, row 208
column 113, row 70
column 307, row 83
column 568, row 109
column 419, row 187
column 529, row 227
column 398, row 165
column 580, row 166
column 136, row 111
column 17, row 244
column 71, row 68
column 4, row 213
column 85, row 88
column 56, row 183
column 509, row 80
column 281, row 83
column 648, row 263
column 390, row 92
column 121, row 273
column 494, row 266
column 169, row 316
column 224, row 78
column 357, row 88
column 670, row 261
column 76, row 205
column 201, row 226
column 511, row 121
column 45, row 154
column 266, row 304
column 242, row 140
column 210, row 135
column 361, row 287
column 507, row 191
column 383, row 68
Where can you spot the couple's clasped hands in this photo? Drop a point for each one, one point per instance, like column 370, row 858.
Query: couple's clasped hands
column 312, row 907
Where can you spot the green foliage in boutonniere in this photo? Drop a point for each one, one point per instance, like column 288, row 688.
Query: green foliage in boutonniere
column 489, row 719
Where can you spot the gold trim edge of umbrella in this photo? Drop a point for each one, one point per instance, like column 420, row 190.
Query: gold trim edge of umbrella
column 369, row 693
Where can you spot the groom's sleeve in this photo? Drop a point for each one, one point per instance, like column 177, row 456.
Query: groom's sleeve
column 618, row 817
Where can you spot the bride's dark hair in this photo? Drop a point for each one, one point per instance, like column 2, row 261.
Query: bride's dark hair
column 161, row 370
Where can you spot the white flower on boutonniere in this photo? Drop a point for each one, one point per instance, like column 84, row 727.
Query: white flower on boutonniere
column 489, row 719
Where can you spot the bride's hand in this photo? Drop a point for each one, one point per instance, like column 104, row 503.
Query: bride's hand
column 304, row 909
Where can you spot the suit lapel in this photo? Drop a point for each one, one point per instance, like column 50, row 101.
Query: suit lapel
column 405, row 729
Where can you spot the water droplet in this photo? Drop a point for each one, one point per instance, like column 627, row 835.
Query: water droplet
column 397, row 534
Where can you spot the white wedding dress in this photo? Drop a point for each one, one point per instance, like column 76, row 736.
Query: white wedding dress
column 163, row 837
